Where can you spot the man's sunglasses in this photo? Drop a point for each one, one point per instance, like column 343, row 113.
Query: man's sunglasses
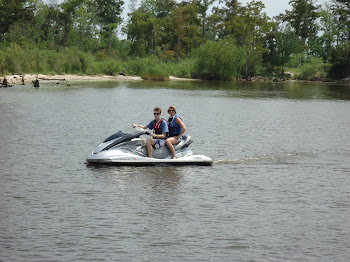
column 156, row 113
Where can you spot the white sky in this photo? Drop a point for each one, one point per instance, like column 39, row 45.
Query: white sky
column 272, row 7
column 276, row 7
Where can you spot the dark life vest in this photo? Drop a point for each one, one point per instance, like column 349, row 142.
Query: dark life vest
column 157, row 127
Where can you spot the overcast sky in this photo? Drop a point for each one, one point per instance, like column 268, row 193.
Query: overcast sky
column 276, row 7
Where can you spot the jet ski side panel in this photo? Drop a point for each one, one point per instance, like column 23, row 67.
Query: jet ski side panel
column 198, row 160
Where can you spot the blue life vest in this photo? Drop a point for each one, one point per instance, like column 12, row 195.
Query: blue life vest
column 174, row 128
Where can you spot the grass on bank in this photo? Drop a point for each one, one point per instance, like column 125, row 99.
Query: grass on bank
column 20, row 60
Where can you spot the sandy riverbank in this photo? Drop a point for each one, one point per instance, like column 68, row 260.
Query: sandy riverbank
column 30, row 78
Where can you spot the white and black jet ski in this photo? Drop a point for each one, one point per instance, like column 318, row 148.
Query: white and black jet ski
column 125, row 149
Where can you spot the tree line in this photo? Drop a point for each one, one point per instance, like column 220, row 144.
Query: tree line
column 192, row 38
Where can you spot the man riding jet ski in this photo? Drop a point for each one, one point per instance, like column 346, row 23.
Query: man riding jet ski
column 160, row 130
column 168, row 133
column 129, row 149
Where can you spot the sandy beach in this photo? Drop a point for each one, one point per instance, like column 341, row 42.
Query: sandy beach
column 30, row 78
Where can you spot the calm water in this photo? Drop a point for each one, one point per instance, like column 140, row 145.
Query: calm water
column 279, row 189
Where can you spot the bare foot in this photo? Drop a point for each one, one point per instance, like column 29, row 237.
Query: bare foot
column 174, row 157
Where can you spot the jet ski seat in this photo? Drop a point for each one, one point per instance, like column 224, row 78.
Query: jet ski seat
column 163, row 151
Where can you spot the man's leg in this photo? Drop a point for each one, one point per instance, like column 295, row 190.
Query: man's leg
column 149, row 145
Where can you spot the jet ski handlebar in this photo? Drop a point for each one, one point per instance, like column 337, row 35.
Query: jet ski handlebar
column 147, row 132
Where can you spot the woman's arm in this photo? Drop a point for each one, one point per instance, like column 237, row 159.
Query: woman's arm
column 182, row 125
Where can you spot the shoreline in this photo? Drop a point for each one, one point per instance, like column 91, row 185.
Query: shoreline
column 17, row 79
column 30, row 78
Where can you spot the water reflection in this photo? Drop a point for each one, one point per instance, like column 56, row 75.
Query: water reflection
column 289, row 90
column 147, row 196
column 153, row 179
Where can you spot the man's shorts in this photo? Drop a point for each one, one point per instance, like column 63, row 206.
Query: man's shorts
column 158, row 143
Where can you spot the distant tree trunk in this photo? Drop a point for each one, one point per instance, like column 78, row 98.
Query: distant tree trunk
column 203, row 33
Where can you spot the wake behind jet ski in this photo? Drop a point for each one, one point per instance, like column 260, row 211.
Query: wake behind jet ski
column 129, row 149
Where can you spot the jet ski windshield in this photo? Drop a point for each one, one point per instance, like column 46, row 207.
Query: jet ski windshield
column 114, row 136
column 123, row 135
column 118, row 138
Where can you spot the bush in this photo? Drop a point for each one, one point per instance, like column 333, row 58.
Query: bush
column 297, row 60
column 312, row 69
column 21, row 60
column 139, row 65
column 183, row 68
column 219, row 60
column 111, row 67
column 148, row 68
column 155, row 73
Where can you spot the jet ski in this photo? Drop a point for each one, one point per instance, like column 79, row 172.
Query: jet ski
column 129, row 149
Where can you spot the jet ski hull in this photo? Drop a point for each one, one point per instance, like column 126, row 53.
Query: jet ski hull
column 127, row 159
column 198, row 161
column 122, row 149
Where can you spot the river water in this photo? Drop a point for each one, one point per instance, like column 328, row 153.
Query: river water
column 279, row 188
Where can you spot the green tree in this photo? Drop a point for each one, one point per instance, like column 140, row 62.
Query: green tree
column 47, row 17
column 287, row 43
column 86, row 28
column 66, row 17
column 15, row 12
column 151, row 28
column 108, row 13
column 303, row 18
column 140, row 31
column 225, row 17
column 203, row 8
column 251, row 25
column 342, row 8
column 322, row 44
column 187, row 28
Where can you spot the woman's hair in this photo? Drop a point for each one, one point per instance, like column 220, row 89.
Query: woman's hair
column 172, row 107
column 157, row 109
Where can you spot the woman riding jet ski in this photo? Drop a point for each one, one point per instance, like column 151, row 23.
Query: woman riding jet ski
column 129, row 149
